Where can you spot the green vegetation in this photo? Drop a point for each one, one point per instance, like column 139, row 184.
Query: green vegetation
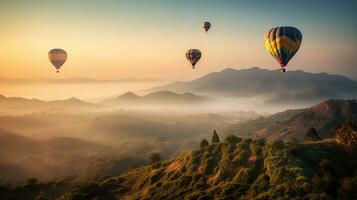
column 155, row 157
column 204, row 143
column 248, row 169
column 215, row 138
column 312, row 135
column 236, row 169
column 232, row 139
column 32, row 189
column 347, row 135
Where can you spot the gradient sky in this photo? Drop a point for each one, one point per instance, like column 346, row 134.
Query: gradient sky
column 149, row 38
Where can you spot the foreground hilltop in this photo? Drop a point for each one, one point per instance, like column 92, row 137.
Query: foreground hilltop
column 325, row 117
column 237, row 169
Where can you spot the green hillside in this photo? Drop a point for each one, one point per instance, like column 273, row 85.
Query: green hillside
column 246, row 169
column 234, row 169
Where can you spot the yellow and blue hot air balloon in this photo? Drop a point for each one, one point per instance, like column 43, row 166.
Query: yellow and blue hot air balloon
column 282, row 43
column 57, row 57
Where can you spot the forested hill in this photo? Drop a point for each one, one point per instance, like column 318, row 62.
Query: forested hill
column 238, row 169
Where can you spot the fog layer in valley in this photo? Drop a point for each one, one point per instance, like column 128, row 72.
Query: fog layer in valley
column 81, row 140
column 87, row 130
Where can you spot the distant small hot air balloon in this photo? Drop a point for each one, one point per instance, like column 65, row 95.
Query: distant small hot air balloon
column 57, row 57
column 282, row 43
column 206, row 25
column 193, row 55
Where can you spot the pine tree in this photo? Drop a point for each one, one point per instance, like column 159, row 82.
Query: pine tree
column 215, row 138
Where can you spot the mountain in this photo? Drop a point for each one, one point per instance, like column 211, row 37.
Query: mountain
column 326, row 117
column 245, row 169
column 128, row 96
column 61, row 157
column 159, row 97
column 24, row 105
column 291, row 86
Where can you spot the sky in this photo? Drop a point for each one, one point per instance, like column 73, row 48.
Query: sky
column 149, row 38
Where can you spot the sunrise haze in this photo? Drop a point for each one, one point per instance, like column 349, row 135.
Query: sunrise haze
column 148, row 39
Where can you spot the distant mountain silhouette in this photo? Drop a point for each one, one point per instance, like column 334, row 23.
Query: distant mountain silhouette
column 326, row 117
column 159, row 97
column 23, row 105
column 292, row 86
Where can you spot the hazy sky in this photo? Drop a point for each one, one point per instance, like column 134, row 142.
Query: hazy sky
column 149, row 38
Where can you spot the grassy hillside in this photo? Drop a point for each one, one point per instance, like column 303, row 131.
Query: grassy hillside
column 247, row 169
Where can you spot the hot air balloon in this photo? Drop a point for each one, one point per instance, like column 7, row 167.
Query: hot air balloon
column 282, row 43
column 206, row 25
column 193, row 55
column 57, row 57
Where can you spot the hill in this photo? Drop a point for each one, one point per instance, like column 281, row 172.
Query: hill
column 245, row 169
column 292, row 86
column 326, row 117
column 159, row 97
column 73, row 159
column 23, row 105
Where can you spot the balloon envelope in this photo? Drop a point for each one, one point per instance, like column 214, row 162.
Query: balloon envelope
column 193, row 55
column 283, row 43
column 206, row 25
column 57, row 57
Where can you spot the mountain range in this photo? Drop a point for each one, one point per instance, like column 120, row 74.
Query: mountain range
column 291, row 86
column 325, row 117
column 24, row 105
column 159, row 97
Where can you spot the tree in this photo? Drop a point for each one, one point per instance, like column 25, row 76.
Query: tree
column 233, row 139
column 312, row 135
column 215, row 138
column 155, row 157
column 203, row 143
column 347, row 134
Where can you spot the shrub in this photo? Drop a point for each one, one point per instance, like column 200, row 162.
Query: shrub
column 242, row 176
column 203, row 144
column 347, row 134
column 241, row 158
column 155, row 157
column 232, row 139
column 209, row 166
column 312, row 135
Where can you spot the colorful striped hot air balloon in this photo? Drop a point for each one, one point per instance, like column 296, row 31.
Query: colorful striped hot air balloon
column 57, row 57
column 193, row 55
column 282, row 43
